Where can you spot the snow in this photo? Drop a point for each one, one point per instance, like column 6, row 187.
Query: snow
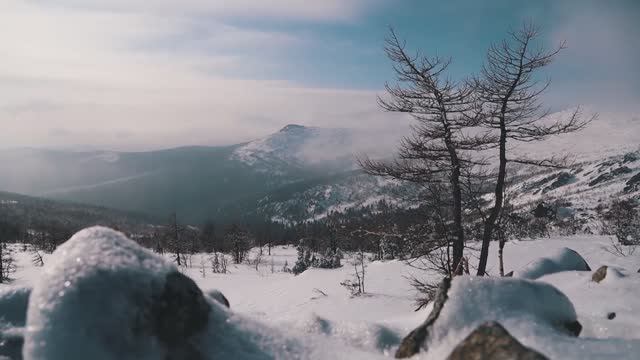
column 274, row 314
column 88, row 296
column 563, row 259
column 529, row 310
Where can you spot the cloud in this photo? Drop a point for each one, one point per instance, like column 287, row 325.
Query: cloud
column 325, row 10
column 163, row 79
column 601, row 42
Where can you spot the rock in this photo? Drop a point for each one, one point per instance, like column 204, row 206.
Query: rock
column 13, row 305
column 564, row 259
column 509, row 274
column 11, row 341
column 491, row 341
column 102, row 296
column 599, row 274
column 219, row 297
column 178, row 313
column 633, row 183
column 412, row 343
column 573, row 327
column 468, row 301
column 611, row 315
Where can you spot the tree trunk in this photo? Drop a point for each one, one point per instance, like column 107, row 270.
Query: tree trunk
column 501, row 256
column 497, row 207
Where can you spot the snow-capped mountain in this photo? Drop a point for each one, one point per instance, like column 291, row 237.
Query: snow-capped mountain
column 301, row 173
column 298, row 146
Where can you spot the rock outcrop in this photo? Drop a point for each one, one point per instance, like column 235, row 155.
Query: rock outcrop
column 491, row 341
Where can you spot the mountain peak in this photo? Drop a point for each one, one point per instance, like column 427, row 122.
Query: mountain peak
column 292, row 127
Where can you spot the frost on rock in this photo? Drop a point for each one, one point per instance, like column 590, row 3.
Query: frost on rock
column 564, row 259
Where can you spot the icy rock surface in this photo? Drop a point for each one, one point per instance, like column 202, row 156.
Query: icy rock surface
column 563, row 259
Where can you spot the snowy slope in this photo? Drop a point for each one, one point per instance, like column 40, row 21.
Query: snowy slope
column 315, row 307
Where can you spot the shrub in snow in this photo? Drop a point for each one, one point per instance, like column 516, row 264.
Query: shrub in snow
column 623, row 220
column 563, row 259
column 390, row 248
column 7, row 263
column 218, row 263
column 330, row 260
column 355, row 285
column 304, row 259
column 308, row 258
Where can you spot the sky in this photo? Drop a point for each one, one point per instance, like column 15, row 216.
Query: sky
column 148, row 74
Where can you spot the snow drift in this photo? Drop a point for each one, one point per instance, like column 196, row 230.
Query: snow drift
column 563, row 259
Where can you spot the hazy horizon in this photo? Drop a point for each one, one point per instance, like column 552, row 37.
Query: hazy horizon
column 134, row 75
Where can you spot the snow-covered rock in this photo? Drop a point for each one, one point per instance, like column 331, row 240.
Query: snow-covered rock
column 563, row 259
column 102, row 296
column 527, row 308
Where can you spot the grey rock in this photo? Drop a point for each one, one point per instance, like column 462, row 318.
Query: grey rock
column 491, row 341
column 600, row 274
column 178, row 313
column 219, row 297
column 574, row 328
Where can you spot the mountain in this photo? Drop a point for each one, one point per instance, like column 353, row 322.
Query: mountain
column 302, row 173
column 196, row 182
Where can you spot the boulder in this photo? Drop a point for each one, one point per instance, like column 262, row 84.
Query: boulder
column 102, row 296
column 490, row 341
column 468, row 302
column 611, row 315
column 563, row 259
column 219, row 297
column 599, row 274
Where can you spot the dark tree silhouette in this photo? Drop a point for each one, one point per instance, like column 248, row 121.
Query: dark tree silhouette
column 509, row 95
column 443, row 110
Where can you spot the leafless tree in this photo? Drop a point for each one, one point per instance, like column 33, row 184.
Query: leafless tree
column 444, row 110
column 510, row 98
column 175, row 242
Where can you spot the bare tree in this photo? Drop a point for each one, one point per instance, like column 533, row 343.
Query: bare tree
column 510, row 98
column 443, row 110
column 175, row 241
column 239, row 240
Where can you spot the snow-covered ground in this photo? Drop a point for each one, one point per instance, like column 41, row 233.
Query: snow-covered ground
column 314, row 304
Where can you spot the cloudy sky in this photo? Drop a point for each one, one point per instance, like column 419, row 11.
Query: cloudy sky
column 144, row 74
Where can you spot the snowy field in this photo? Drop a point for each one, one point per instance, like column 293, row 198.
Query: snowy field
column 313, row 305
